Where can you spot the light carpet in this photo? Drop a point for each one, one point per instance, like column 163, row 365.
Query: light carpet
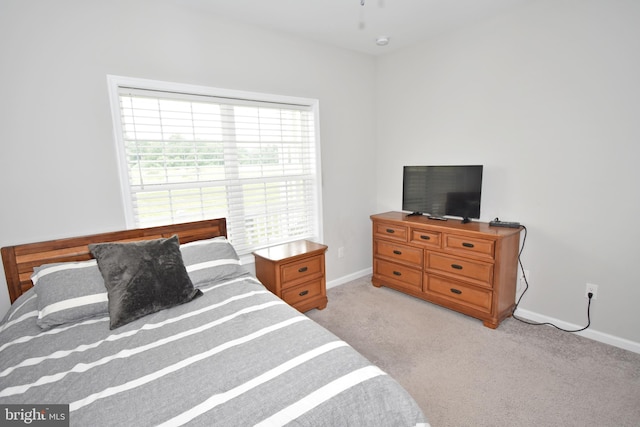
column 464, row 374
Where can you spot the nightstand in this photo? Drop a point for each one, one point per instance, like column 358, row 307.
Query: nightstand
column 294, row 272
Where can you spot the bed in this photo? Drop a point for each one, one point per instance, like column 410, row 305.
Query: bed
column 226, row 352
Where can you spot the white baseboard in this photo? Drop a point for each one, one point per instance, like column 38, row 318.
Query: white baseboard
column 349, row 277
column 588, row 333
column 528, row 315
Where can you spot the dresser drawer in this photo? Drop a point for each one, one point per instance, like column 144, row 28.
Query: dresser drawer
column 451, row 290
column 469, row 269
column 468, row 245
column 301, row 293
column 397, row 274
column 398, row 253
column 425, row 238
column 299, row 271
column 390, row 231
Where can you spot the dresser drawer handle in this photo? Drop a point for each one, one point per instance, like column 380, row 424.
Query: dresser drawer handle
column 456, row 291
column 423, row 237
column 302, row 269
column 456, row 266
column 391, row 230
column 467, row 245
column 303, row 293
column 397, row 273
column 397, row 252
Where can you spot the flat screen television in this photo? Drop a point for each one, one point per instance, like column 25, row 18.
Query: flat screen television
column 440, row 191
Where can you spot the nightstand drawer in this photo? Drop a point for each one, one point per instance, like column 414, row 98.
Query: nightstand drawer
column 303, row 292
column 399, row 253
column 465, row 268
column 478, row 299
column 302, row 270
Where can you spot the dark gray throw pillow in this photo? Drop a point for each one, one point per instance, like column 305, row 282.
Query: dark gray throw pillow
column 143, row 277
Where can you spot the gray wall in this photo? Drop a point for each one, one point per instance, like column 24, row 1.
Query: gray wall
column 547, row 98
column 57, row 156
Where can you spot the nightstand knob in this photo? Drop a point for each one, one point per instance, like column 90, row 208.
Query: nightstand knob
column 303, row 293
column 302, row 269
column 467, row 245
column 456, row 266
column 456, row 291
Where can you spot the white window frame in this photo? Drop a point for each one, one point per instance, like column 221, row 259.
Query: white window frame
column 116, row 82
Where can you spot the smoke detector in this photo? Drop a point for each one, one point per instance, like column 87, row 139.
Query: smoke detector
column 382, row 41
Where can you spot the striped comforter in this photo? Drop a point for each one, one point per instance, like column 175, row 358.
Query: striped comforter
column 236, row 356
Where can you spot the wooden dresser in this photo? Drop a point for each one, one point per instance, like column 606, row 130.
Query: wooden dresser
column 470, row 268
column 294, row 272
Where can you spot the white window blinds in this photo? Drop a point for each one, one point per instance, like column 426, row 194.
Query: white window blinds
column 186, row 156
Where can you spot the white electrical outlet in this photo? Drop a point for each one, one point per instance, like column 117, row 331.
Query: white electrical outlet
column 340, row 252
column 593, row 289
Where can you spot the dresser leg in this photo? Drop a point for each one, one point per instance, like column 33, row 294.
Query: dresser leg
column 490, row 324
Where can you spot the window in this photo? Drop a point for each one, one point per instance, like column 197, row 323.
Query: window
column 188, row 153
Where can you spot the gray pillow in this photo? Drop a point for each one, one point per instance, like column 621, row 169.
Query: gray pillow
column 143, row 277
column 211, row 260
column 69, row 292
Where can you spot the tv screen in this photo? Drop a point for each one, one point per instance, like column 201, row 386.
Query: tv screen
column 442, row 190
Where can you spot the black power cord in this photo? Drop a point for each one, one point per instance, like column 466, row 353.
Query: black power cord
column 513, row 313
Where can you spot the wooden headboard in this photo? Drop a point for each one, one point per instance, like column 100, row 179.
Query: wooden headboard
column 20, row 260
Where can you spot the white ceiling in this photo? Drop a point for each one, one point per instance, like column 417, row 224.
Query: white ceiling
column 348, row 24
